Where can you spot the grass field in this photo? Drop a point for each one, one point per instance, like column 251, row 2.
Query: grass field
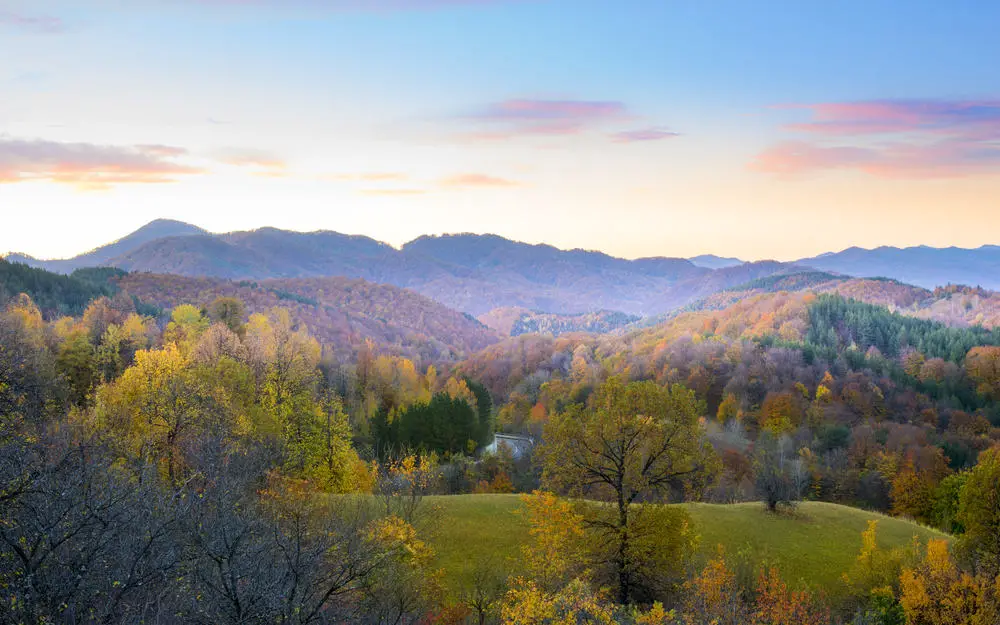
column 812, row 546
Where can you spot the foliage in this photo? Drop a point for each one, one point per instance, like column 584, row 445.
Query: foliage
column 56, row 294
column 636, row 440
column 979, row 513
column 937, row 592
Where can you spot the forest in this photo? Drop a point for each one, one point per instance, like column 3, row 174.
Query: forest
column 215, row 462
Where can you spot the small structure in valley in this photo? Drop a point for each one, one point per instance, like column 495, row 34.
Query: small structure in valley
column 518, row 446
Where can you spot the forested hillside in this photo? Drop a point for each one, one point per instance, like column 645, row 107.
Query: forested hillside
column 518, row 321
column 56, row 294
column 344, row 314
column 955, row 305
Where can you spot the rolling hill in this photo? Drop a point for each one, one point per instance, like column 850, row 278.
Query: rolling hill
column 812, row 547
column 954, row 306
column 342, row 313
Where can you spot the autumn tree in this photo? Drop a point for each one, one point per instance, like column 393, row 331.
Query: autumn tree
column 982, row 364
column 979, row 513
column 154, row 407
column 777, row 604
column 635, row 442
column 776, row 481
column 228, row 311
column 714, row 596
column 937, row 592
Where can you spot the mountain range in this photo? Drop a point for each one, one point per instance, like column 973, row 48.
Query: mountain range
column 479, row 273
column 924, row 266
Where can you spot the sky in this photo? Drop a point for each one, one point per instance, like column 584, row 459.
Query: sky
column 768, row 129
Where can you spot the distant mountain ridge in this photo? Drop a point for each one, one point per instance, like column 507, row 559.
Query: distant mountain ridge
column 924, row 266
column 479, row 273
column 467, row 272
column 711, row 261
column 106, row 254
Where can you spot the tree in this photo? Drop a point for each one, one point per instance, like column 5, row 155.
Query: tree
column 780, row 413
column 983, row 367
column 774, row 482
column 912, row 493
column 729, row 409
column 75, row 362
column 937, row 592
column 979, row 513
column 156, row 407
column 635, row 442
column 228, row 311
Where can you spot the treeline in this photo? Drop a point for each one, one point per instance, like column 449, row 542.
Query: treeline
column 838, row 323
column 56, row 294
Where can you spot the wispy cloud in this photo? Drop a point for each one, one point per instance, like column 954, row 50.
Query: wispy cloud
column 972, row 118
column 373, row 176
column 393, row 192
column 939, row 159
column 89, row 166
column 240, row 157
column 262, row 164
column 526, row 117
column 643, row 134
column 476, row 180
column 42, row 24
column 891, row 138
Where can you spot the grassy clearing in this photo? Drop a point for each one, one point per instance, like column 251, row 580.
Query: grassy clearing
column 812, row 547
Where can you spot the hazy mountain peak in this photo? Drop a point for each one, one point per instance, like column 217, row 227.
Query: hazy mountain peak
column 711, row 261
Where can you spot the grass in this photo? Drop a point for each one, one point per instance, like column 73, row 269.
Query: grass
column 812, row 546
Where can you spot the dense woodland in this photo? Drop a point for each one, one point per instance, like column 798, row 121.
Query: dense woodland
column 213, row 459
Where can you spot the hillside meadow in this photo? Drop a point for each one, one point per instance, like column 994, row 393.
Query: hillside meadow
column 811, row 546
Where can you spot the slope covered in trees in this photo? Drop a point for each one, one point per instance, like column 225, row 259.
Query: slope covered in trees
column 342, row 313
column 954, row 305
column 56, row 294
column 518, row 321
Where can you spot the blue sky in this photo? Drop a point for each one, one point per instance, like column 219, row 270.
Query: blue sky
column 657, row 127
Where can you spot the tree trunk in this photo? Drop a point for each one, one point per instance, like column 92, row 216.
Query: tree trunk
column 624, row 583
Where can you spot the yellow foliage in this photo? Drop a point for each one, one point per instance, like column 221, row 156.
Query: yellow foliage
column 936, row 592
column 575, row 604
column 553, row 555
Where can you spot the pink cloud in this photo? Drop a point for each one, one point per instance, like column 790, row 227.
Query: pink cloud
column 643, row 135
column 476, row 180
column 976, row 118
column 942, row 159
column 33, row 23
column 893, row 138
column 526, row 117
column 89, row 166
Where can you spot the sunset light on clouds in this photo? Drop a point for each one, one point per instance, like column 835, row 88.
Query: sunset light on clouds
column 640, row 127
